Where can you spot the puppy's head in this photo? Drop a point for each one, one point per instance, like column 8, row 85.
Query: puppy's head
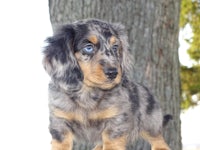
column 90, row 52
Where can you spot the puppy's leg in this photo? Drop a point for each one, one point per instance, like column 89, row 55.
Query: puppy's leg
column 109, row 143
column 65, row 144
column 157, row 142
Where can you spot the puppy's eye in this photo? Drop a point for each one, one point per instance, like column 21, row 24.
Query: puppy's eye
column 115, row 48
column 88, row 49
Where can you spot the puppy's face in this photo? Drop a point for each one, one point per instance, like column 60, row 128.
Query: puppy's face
column 90, row 52
column 98, row 54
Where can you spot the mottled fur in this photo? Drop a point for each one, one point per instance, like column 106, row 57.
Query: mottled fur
column 91, row 98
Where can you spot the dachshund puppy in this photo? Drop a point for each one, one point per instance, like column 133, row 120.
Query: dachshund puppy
column 91, row 97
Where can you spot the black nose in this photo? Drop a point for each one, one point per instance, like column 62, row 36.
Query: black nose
column 111, row 73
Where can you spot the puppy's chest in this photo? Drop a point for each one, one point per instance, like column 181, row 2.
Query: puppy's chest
column 90, row 108
column 86, row 116
column 87, row 122
column 88, row 113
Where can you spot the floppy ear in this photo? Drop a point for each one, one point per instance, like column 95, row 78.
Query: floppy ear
column 127, row 56
column 59, row 60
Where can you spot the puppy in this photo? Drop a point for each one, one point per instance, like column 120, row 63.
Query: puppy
column 91, row 96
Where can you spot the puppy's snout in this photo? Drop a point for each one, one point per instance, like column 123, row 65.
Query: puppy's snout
column 111, row 73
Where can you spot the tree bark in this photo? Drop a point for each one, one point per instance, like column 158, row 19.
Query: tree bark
column 152, row 28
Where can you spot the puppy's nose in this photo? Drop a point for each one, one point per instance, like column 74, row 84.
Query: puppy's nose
column 111, row 73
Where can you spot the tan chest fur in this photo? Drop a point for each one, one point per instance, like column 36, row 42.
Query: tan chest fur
column 84, row 117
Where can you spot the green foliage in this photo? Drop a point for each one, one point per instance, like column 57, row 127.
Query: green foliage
column 190, row 77
column 190, row 14
column 190, row 80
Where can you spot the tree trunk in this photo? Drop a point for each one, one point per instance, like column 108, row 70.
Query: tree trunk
column 152, row 27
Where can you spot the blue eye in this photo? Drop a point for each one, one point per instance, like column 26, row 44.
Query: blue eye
column 88, row 49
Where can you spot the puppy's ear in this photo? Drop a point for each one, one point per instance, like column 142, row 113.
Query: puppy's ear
column 127, row 56
column 59, row 60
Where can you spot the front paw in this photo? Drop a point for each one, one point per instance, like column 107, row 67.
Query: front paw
column 65, row 144
column 118, row 143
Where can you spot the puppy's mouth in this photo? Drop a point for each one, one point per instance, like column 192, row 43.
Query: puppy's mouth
column 106, row 85
column 100, row 76
column 111, row 79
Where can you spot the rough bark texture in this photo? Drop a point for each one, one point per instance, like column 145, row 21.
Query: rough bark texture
column 152, row 27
